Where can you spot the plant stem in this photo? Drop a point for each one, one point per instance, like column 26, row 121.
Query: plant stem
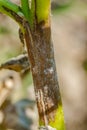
column 41, row 56
column 27, row 11
column 11, row 10
column 9, row 5
column 42, row 9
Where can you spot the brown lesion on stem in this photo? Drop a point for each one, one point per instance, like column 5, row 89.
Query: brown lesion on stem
column 41, row 55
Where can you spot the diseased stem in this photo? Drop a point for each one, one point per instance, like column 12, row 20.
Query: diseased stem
column 41, row 55
column 14, row 15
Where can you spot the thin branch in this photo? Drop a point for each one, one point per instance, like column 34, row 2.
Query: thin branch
column 12, row 10
column 11, row 6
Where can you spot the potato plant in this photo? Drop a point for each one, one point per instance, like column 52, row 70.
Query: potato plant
column 34, row 22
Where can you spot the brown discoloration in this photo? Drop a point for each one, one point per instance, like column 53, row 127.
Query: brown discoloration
column 21, row 36
column 16, row 17
column 41, row 55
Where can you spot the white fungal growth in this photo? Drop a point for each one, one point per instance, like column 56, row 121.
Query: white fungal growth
column 49, row 70
column 48, row 99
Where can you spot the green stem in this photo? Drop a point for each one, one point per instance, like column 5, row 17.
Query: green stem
column 42, row 9
column 9, row 5
column 25, row 8
column 10, row 9
column 26, row 11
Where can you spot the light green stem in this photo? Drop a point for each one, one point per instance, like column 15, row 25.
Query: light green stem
column 42, row 10
column 8, row 4
column 26, row 11
column 11, row 7
column 25, row 8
